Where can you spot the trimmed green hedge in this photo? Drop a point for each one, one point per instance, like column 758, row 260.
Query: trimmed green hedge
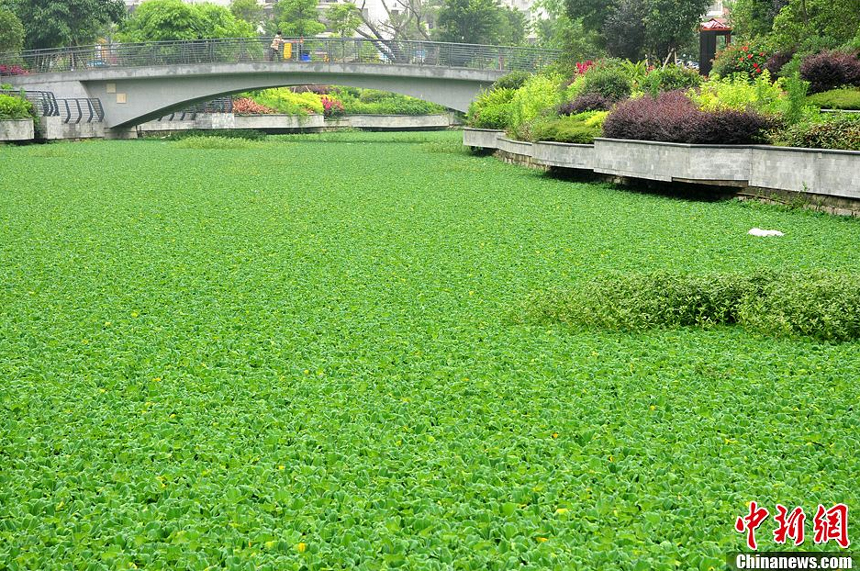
column 836, row 99
column 582, row 128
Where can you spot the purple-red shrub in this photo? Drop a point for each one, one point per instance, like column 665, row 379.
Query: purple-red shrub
column 828, row 70
column 585, row 102
column 777, row 61
column 672, row 117
column 247, row 106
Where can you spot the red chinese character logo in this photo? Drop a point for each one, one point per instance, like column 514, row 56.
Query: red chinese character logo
column 750, row 523
column 832, row 524
column 791, row 526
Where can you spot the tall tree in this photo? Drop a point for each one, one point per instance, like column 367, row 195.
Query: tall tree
column 298, row 17
column 753, row 18
column 157, row 20
column 470, row 21
column 344, row 19
column 592, row 13
column 404, row 20
column 667, row 24
column 514, row 25
column 56, row 23
column 247, row 10
column 671, row 24
column 556, row 30
column 624, row 30
column 11, row 33
column 816, row 23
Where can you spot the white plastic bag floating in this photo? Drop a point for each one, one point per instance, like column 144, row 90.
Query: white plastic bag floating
column 760, row 232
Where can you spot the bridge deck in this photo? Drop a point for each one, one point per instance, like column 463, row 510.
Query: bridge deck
column 312, row 50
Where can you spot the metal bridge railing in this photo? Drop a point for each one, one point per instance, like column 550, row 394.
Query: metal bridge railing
column 217, row 105
column 80, row 109
column 72, row 110
column 43, row 101
column 310, row 50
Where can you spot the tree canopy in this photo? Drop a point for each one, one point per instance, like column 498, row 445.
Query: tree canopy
column 298, row 17
column 344, row 19
column 404, row 20
column 157, row 20
column 248, row 10
column 57, row 23
column 11, row 32
column 480, row 22
column 632, row 29
column 816, row 22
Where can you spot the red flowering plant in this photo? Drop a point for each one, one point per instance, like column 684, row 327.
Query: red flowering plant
column 583, row 66
column 749, row 58
column 13, row 70
column 331, row 107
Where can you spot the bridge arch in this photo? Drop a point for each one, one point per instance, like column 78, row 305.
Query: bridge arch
column 139, row 82
column 134, row 96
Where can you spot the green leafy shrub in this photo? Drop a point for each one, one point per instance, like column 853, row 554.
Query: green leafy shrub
column 538, row 95
column 838, row 132
column 824, row 305
column 836, row 99
column 491, row 109
column 582, row 128
column 749, row 58
column 642, row 301
column 575, row 88
column 739, row 93
column 372, row 95
column 285, row 101
column 609, row 81
column 12, row 107
column 375, row 102
column 513, row 80
column 243, row 134
column 795, row 106
column 670, row 78
column 216, row 142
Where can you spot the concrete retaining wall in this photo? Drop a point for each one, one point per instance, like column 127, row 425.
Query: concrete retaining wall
column 831, row 173
column 564, row 155
column 812, row 171
column 295, row 123
column 482, row 138
column 514, row 147
column 392, row 122
column 672, row 161
column 165, row 126
column 274, row 122
column 53, row 128
column 17, row 130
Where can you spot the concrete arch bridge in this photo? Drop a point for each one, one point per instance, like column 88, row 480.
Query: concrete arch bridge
column 139, row 82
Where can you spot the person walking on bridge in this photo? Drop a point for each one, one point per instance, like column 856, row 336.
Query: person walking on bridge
column 275, row 48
